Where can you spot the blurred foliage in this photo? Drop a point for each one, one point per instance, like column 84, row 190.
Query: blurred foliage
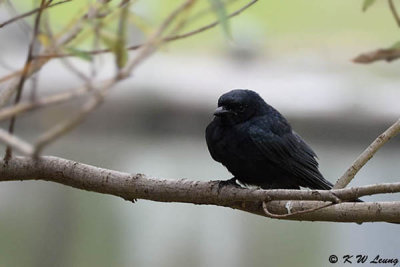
column 367, row 4
column 274, row 22
column 220, row 10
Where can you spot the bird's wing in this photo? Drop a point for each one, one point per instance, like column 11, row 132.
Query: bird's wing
column 287, row 150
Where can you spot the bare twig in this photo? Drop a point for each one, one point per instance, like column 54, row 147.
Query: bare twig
column 98, row 95
column 27, row 14
column 154, row 40
column 166, row 39
column 358, row 212
column 282, row 216
column 23, row 107
column 15, row 142
column 28, row 62
column 40, row 62
column 5, row 95
column 388, row 54
column 380, row 54
column 367, row 155
column 138, row 186
column 65, row 126
column 64, row 61
column 394, row 12
column 71, row 34
column 25, row 27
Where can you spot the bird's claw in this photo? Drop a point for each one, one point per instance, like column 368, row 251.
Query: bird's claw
column 230, row 182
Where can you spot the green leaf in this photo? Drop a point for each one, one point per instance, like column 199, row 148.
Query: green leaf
column 117, row 48
column 121, row 54
column 80, row 54
column 220, row 11
column 367, row 4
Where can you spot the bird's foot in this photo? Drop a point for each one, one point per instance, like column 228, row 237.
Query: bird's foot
column 230, row 182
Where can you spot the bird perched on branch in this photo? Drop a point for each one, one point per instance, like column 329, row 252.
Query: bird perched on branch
column 258, row 146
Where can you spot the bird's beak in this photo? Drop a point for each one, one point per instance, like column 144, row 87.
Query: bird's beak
column 221, row 111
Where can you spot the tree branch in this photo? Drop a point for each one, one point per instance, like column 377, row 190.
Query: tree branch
column 367, row 154
column 98, row 95
column 394, row 12
column 138, row 186
column 66, row 38
column 165, row 39
column 388, row 55
column 13, row 141
column 29, row 61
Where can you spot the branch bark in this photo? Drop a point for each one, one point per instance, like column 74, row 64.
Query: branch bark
column 138, row 186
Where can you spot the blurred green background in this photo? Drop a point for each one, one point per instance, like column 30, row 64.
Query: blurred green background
column 296, row 54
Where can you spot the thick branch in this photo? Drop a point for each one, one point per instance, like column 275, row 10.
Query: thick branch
column 138, row 186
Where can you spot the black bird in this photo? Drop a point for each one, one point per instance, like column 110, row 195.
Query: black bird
column 258, row 146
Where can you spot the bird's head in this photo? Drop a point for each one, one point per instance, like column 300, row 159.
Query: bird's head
column 239, row 106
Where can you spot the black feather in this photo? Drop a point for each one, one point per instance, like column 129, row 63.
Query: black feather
column 258, row 146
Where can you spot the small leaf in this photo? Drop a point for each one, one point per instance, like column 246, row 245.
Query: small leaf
column 121, row 55
column 367, row 4
column 80, row 54
column 220, row 11
column 117, row 48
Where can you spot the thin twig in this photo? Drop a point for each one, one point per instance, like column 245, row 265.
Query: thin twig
column 147, row 49
column 388, row 54
column 282, row 216
column 64, row 61
column 394, row 12
column 65, row 126
column 61, row 42
column 27, row 14
column 69, row 36
column 98, row 95
column 28, row 62
column 25, row 27
column 166, row 39
column 17, row 143
column 367, row 155
column 58, row 98
column 150, row 46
